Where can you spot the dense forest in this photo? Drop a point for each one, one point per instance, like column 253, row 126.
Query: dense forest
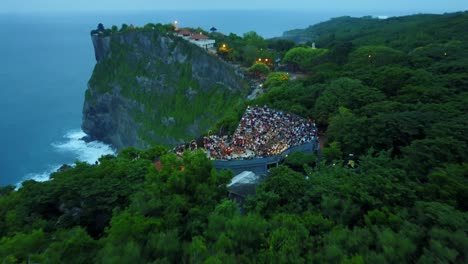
column 393, row 93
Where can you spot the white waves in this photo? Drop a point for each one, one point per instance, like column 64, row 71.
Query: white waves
column 75, row 147
column 84, row 151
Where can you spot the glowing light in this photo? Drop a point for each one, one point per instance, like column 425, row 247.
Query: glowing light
column 259, row 59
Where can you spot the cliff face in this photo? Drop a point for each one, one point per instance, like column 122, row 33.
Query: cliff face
column 101, row 46
column 152, row 87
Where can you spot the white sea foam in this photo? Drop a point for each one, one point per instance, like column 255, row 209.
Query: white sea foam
column 85, row 151
column 39, row 177
column 73, row 144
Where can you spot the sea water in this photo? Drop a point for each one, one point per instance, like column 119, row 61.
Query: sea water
column 47, row 60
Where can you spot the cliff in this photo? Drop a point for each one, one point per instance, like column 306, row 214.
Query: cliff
column 149, row 86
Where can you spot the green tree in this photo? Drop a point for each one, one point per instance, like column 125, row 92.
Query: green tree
column 449, row 184
column 71, row 246
column 197, row 250
column 303, row 58
column 287, row 241
column 114, row 29
column 23, row 247
column 276, row 79
column 283, row 191
column 374, row 56
column 345, row 128
column 250, row 54
column 259, row 70
column 247, row 234
column 299, row 161
column 345, row 92
column 391, row 79
column 251, row 38
column 332, row 152
column 422, row 156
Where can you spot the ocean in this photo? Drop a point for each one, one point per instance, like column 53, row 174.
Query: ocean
column 47, row 60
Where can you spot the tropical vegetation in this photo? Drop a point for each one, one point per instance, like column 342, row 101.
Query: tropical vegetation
column 391, row 93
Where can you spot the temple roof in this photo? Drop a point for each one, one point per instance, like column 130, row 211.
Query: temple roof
column 198, row 37
column 184, row 32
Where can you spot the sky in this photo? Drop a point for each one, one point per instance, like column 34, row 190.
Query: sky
column 417, row 6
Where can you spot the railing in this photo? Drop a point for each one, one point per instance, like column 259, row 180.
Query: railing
column 260, row 165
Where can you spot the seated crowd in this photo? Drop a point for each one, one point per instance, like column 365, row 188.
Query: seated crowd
column 262, row 132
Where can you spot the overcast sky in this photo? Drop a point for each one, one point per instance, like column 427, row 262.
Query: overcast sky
column 434, row 6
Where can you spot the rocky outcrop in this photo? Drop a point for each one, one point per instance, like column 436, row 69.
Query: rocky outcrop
column 107, row 118
column 153, row 87
column 101, row 46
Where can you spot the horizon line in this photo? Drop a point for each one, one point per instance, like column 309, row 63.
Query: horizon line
column 302, row 10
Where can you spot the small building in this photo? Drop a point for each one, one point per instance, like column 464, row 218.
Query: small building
column 184, row 33
column 202, row 41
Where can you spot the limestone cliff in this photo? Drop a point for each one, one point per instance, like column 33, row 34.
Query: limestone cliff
column 149, row 86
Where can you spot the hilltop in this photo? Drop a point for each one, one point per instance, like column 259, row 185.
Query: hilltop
column 396, row 32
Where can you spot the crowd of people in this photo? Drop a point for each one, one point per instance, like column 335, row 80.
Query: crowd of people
column 262, row 132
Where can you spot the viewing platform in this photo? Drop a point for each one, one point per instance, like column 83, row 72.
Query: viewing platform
column 260, row 166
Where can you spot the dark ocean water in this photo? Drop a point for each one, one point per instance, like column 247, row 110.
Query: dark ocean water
column 46, row 62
